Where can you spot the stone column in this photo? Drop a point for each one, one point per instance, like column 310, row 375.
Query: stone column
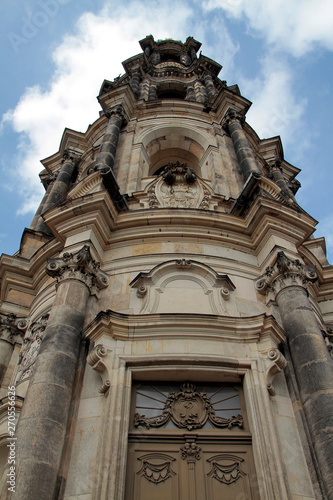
column 190, row 94
column 49, row 180
column 12, row 330
column 107, row 151
column 286, row 281
column 60, row 186
column 276, row 173
column 210, row 87
column 42, row 425
column 233, row 122
column 135, row 83
column 185, row 58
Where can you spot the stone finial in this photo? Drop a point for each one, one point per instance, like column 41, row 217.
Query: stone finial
column 12, row 329
column 79, row 266
column 231, row 116
column 285, row 273
column 117, row 110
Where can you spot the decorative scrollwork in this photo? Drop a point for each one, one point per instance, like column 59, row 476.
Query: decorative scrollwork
column 188, row 409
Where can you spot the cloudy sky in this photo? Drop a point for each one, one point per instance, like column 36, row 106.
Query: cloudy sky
column 56, row 53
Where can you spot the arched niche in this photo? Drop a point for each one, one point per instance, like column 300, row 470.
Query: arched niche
column 173, row 143
column 184, row 286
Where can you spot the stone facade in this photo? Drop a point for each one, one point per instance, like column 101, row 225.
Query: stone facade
column 167, row 321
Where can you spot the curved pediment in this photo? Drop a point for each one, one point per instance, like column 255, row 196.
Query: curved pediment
column 183, row 286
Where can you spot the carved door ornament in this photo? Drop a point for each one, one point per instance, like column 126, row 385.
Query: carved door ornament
column 225, row 468
column 156, row 467
column 188, row 409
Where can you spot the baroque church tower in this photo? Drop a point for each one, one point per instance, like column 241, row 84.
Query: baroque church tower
column 166, row 325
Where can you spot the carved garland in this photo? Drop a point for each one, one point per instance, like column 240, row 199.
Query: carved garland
column 188, row 409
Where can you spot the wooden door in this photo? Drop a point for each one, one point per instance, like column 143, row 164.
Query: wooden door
column 183, row 448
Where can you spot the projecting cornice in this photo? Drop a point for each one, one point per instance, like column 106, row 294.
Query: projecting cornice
column 196, row 326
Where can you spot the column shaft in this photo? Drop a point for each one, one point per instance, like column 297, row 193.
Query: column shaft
column 59, row 188
column 6, row 351
column 107, row 151
column 245, row 156
column 314, row 373
column 42, row 425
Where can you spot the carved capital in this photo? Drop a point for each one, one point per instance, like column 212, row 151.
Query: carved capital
column 117, row 110
column 12, row 329
column 285, row 273
column 277, row 363
column 95, row 360
column 70, row 156
column 79, row 266
column 232, row 116
column 274, row 165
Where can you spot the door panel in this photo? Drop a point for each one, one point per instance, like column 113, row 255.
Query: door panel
column 188, row 470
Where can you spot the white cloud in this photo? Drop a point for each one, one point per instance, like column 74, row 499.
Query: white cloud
column 83, row 60
column 275, row 110
column 296, row 26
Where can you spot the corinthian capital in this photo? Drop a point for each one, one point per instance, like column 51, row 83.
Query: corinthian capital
column 285, row 273
column 70, row 156
column 12, row 329
column 231, row 116
column 78, row 266
column 117, row 110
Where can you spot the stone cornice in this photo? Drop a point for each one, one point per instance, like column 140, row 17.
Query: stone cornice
column 79, row 266
column 12, row 328
column 195, row 326
column 285, row 273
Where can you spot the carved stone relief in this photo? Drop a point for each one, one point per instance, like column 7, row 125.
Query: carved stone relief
column 30, row 348
column 178, row 187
